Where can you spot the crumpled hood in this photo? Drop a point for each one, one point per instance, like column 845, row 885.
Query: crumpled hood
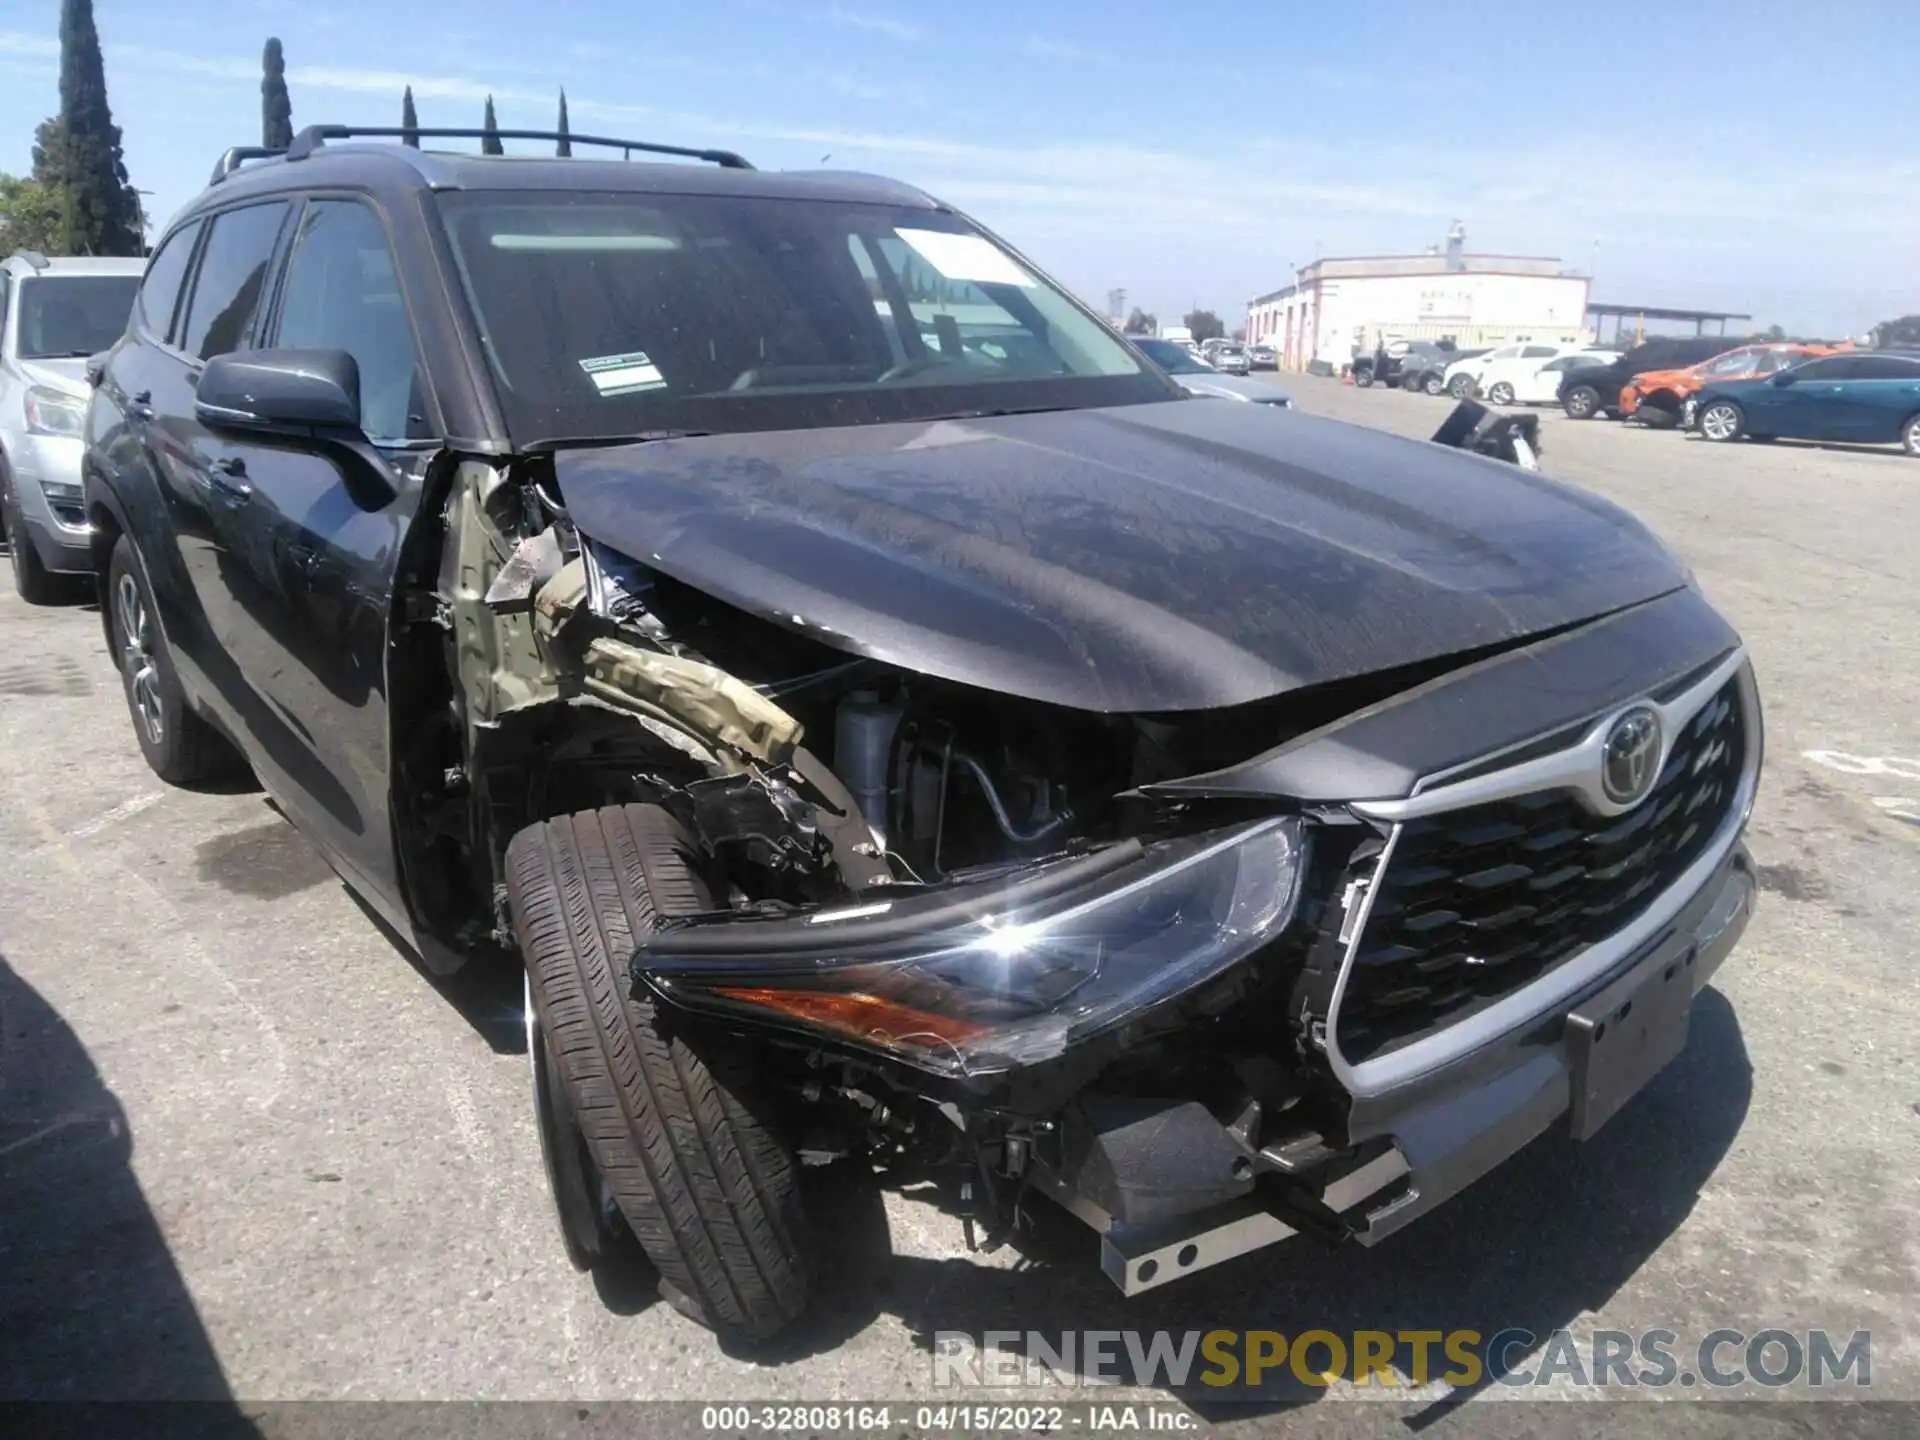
column 1232, row 387
column 1162, row 557
column 68, row 376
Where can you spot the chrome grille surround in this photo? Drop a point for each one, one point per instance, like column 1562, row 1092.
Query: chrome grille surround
column 1574, row 768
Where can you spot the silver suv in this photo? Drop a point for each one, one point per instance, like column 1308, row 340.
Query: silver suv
column 53, row 315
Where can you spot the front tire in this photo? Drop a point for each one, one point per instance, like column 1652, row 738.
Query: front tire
column 1363, row 378
column 1460, row 387
column 1722, row 422
column 676, row 1133
column 1501, row 393
column 1435, row 385
column 1910, row 435
column 32, row 581
column 180, row 747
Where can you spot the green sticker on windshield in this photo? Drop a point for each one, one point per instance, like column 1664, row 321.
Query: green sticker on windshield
column 623, row 374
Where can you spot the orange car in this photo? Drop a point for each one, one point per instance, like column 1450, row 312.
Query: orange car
column 1659, row 396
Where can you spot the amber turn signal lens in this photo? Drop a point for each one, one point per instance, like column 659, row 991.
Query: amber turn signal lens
column 867, row 1016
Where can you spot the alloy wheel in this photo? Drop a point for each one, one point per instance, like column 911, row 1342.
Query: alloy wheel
column 1910, row 436
column 1719, row 422
column 137, row 659
column 1501, row 394
column 1580, row 404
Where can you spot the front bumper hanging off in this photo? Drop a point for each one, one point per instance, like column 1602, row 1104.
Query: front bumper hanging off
column 1173, row 1191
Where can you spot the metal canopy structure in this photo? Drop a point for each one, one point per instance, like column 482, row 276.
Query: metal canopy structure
column 1642, row 313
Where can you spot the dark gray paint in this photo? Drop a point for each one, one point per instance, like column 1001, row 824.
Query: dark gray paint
column 1380, row 752
column 1162, row 557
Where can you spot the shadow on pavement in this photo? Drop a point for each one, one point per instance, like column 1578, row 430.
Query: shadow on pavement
column 1552, row 1234
column 91, row 1304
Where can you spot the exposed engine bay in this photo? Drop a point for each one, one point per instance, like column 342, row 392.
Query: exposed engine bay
column 1025, row 947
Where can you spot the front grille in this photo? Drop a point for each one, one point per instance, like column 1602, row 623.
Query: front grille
column 1477, row 902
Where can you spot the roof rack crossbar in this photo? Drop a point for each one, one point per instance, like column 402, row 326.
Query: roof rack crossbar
column 239, row 155
column 314, row 136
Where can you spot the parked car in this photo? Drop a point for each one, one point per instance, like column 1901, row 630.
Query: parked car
column 1385, row 364
column 1024, row 774
column 1425, row 367
column 1656, row 397
column 53, row 314
column 1230, row 359
column 1263, row 357
column 1197, row 377
column 1870, row 397
column 1494, row 374
column 1542, row 386
column 1597, row 392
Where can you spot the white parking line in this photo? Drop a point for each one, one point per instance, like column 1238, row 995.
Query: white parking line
column 126, row 810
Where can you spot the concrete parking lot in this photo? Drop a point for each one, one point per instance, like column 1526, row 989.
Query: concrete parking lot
column 271, row 1160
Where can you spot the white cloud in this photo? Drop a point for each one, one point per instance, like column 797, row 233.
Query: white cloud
column 13, row 42
column 878, row 24
column 1041, row 48
column 855, row 88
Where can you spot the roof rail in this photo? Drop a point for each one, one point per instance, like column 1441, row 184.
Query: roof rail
column 33, row 258
column 239, row 155
column 314, row 136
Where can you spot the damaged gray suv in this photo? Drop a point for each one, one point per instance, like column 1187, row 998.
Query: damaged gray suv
column 890, row 722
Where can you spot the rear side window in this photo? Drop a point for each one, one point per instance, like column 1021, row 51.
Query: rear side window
column 165, row 274
column 341, row 293
column 233, row 270
column 1537, row 352
column 1839, row 367
column 1885, row 367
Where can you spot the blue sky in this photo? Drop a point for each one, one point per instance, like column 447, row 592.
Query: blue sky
column 1752, row 156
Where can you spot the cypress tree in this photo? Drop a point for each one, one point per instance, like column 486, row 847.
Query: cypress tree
column 276, row 106
column 409, row 122
column 78, row 154
column 565, row 147
column 490, row 141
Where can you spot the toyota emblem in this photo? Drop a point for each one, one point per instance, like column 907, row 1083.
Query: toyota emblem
column 1630, row 761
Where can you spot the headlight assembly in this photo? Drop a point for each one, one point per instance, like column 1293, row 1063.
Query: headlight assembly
column 51, row 413
column 973, row 983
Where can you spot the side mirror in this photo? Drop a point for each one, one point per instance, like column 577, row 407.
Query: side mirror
column 1785, row 377
column 281, row 390
column 312, row 396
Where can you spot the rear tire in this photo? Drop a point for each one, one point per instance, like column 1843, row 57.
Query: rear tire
column 1723, row 422
column 1910, row 435
column 676, row 1134
column 1501, row 393
column 180, row 747
column 1460, row 387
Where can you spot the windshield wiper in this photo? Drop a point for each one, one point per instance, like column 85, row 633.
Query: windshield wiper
column 1009, row 410
column 601, row 442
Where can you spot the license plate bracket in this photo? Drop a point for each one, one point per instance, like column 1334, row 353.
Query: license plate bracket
column 1622, row 1037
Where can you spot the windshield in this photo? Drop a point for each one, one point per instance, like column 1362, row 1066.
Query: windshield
column 1172, row 357
column 607, row 315
column 70, row 316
